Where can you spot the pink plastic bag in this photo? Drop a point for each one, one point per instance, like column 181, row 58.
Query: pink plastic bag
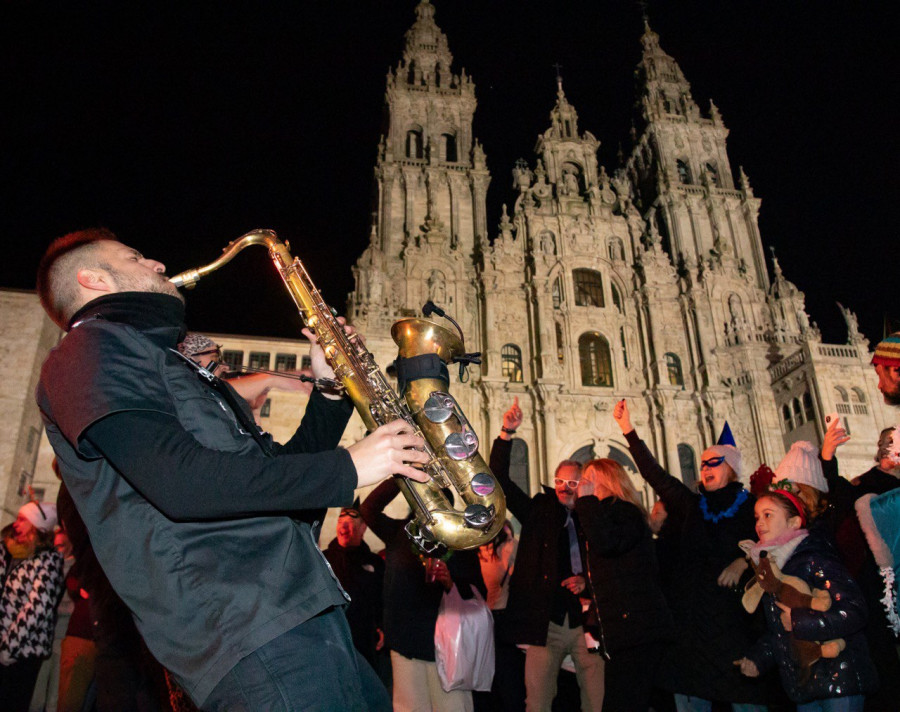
column 464, row 642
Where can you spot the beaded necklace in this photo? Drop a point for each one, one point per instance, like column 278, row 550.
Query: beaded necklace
column 725, row 513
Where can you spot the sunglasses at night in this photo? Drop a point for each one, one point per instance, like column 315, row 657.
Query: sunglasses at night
column 712, row 462
column 571, row 484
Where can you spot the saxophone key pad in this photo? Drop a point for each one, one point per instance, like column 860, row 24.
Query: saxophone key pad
column 478, row 516
column 439, row 407
column 483, row 484
column 461, row 445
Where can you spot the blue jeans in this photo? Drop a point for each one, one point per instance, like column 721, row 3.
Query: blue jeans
column 853, row 703
column 313, row 667
column 686, row 703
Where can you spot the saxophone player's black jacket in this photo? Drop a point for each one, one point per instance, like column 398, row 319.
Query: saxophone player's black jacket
column 206, row 532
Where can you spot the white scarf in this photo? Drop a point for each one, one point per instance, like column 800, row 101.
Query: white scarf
column 779, row 549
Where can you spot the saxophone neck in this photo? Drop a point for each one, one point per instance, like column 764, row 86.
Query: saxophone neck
column 268, row 238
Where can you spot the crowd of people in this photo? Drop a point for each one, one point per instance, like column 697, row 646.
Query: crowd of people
column 185, row 545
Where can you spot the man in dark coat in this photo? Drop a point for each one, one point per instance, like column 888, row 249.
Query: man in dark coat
column 205, row 527
column 361, row 574
column 544, row 610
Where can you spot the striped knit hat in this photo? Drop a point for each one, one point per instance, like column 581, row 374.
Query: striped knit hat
column 887, row 353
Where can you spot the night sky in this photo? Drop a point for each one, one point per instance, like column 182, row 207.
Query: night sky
column 180, row 126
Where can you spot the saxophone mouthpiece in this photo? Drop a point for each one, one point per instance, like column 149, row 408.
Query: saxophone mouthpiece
column 187, row 279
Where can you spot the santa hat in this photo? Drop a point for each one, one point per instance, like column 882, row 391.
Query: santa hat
column 887, row 353
column 42, row 515
column 802, row 466
column 731, row 454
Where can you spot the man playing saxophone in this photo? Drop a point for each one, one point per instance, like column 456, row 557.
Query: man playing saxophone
column 206, row 528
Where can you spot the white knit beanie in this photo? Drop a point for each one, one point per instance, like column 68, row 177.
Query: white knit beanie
column 731, row 454
column 42, row 516
column 802, row 466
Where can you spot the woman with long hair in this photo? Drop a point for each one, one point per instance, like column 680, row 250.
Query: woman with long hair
column 633, row 620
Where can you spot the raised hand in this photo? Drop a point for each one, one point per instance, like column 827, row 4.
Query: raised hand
column 387, row 451
column 835, row 436
column 623, row 417
column 512, row 419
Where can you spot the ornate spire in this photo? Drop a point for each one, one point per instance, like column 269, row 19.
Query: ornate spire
column 426, row 56
column 665, row 90
column 563, row 117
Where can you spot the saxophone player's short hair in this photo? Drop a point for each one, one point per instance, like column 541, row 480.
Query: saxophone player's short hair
column 57, row 273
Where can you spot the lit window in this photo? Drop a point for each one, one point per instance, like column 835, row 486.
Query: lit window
column 285, row 362
column 233, row 358
column 305, row 362
column 596, row 364
column 511, row 363
column 588, row 288
column 673, row 366
column 259, row 359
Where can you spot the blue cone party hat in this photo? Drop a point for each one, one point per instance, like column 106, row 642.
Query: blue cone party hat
column 726, row 438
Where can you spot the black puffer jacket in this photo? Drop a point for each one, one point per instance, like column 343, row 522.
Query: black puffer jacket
column 850, row 673
column 713, row 630
column 625, row 574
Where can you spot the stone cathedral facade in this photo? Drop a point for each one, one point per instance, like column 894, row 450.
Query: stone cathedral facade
column 648, row 282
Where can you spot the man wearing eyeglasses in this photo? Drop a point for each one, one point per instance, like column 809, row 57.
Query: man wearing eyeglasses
column 544, row 610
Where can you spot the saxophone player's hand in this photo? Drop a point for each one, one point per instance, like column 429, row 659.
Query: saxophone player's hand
column 387, row 451
column 320, row 367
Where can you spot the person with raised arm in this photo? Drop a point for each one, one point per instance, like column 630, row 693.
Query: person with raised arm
column 712, row 629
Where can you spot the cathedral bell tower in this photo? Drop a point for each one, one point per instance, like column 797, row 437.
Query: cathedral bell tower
column 431, row 182
column 680, row 168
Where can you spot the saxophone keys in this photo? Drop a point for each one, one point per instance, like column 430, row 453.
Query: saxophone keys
column 478, row 516
column 483, row 484
column 439, row 407
column 461, row 445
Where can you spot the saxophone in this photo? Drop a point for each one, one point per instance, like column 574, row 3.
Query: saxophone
column 455, row 466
